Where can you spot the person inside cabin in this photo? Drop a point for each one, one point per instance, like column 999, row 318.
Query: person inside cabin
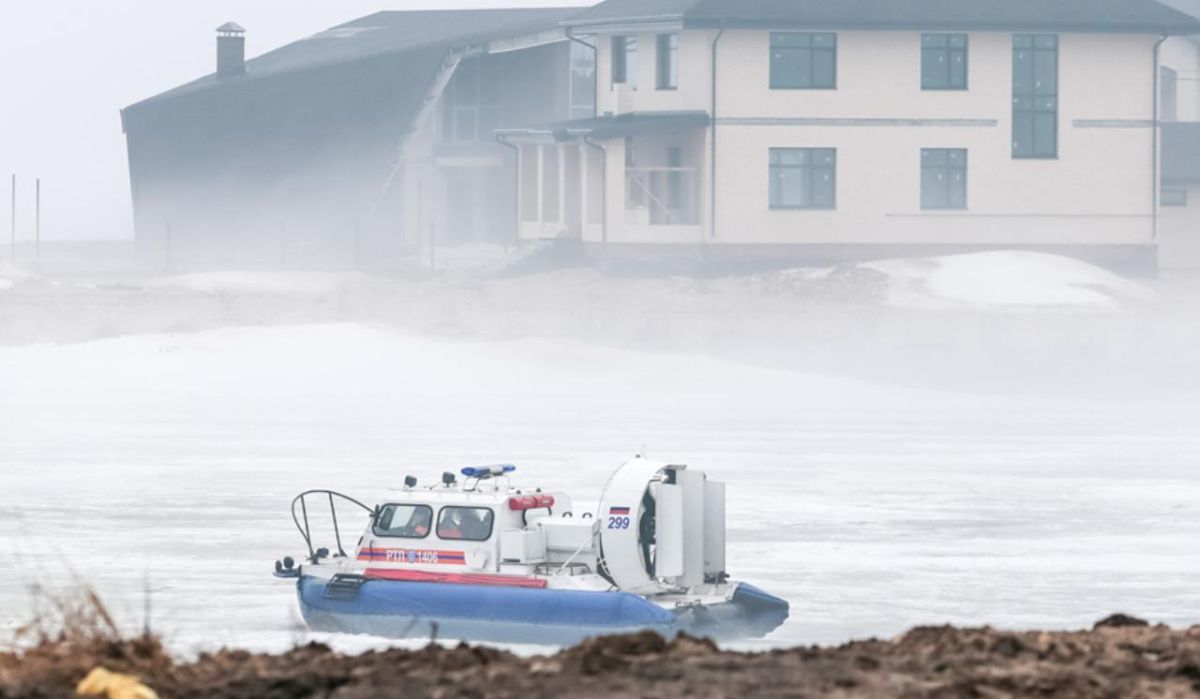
column 418, row 524
column 451, row 526
column 468, row 523
column 471, row 526
column 393, row 522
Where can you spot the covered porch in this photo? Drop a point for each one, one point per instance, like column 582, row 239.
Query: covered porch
column 628, row 178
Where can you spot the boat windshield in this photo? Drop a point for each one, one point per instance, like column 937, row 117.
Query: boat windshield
column 404, row 521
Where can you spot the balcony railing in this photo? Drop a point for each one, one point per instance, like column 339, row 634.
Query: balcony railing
column 661, row 196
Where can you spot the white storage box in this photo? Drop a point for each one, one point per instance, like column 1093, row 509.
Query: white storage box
column 521, row 546
column 567, row 533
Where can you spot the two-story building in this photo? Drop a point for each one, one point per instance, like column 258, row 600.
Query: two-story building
column 807, row 131
column 687, row 133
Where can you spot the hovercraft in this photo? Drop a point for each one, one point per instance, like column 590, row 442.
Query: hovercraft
column 477, row 559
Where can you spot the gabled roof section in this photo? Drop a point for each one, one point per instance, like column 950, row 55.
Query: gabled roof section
column 1115, row 16
column 1191, row 7
column 386, row 33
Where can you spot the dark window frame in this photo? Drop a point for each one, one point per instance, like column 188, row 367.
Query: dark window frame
column 810, row 44
column 473, row 104
column 416, row 506
column 491, row 523
column 623, row 47
column 581, row 100
column 1168, row 78
column 1035, row 105
column 777, row 169
column 666, row 61
column 947, row 46
column 942, row 161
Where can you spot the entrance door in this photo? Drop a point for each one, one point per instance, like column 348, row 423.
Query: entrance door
column 462, row 210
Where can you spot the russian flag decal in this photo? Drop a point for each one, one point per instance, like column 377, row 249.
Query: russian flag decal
column 618, row 511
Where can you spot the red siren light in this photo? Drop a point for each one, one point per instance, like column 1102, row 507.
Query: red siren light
column 530, row 502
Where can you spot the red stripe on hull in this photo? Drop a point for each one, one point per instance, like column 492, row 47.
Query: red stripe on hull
column 456, row 578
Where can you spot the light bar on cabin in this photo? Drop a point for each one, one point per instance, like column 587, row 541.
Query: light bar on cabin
column 539, row 501
column 488, row 471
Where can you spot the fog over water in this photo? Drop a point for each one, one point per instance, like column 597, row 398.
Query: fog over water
column 870, row 508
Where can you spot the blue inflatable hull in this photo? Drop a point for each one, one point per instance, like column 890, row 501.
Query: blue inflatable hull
column 401, row 609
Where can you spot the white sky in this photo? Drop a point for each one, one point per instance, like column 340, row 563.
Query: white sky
column 67, row 67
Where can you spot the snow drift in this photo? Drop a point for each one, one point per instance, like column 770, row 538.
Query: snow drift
column 1006, row 281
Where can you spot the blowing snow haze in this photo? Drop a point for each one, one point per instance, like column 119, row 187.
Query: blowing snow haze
column 101, row 57
column 911, row 286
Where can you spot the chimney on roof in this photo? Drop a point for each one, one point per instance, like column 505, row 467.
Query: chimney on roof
column 231, row 50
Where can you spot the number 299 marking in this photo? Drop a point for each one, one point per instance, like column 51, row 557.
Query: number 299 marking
column 618, row 522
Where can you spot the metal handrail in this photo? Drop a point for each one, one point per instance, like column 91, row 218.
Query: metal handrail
column 637, row 175
column 306, row 531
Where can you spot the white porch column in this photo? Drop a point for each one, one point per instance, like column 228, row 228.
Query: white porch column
column 541, row 185
column 584, row 166
column 562, row 184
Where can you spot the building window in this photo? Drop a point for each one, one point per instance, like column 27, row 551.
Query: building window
column 583, row 81
column 668, row 61
column 624, row 60
column 1169, row 107
column 1173, row 197
column 803, row 61
column 943, row 178
column 943, row 61
column 1035, row 96
column 471, row 105
column 803, row 178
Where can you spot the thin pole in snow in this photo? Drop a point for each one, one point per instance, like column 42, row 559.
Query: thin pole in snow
column 357, row 244
column 12, row 241
column 37, row 220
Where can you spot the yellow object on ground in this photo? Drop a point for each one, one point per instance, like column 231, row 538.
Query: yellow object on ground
column 102, row 683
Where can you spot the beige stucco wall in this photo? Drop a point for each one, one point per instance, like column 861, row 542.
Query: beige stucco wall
column 1097, row 191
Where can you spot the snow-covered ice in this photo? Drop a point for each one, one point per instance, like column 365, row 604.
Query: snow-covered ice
column 871, row 508
column 257, row 282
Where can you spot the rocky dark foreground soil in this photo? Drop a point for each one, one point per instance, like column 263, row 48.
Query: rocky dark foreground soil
column 1120, row 658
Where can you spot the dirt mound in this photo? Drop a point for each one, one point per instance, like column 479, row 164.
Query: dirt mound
column 1113, row 660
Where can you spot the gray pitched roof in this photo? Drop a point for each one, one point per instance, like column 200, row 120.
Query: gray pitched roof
column 1191, row 7
column 387, row 33
column 1059, row 15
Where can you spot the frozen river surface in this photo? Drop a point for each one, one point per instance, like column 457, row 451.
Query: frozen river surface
column 173, row 458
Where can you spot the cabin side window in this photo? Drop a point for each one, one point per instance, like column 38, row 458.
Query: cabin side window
column 465, row 523
column 403, row 521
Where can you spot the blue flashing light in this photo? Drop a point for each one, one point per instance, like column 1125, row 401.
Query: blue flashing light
column 488, row 471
